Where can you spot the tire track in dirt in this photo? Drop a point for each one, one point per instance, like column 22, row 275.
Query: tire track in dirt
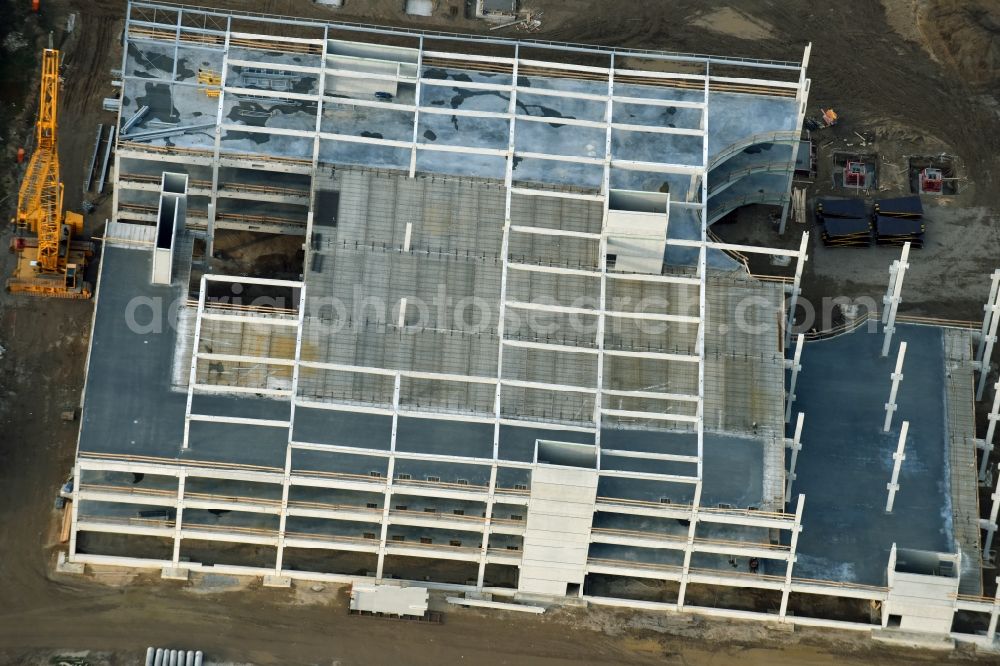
column 85, row 71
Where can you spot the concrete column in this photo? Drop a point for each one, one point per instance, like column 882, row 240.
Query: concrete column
column 416, row 103
column 210, row 234
column 193, row 374
column 795, row 367
column 75, row 508
column 390, row 474
column 283, row 517
column 890, row 576
column 992, row 631
column 796, row 446
column 785, row 206
column 801, row 94
column 887, row 299
column 990, row 340
column 486, row 527
column 990, row 310
column 689, row 547
column 217, row 148
column 387, row 501
column 991, row 428
column 179, row 521
column 796, row 285
column 896, row 377
column 898, row 457
column 897, row 287
column 793, row 546
column 991, row 525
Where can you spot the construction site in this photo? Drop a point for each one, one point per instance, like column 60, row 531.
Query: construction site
column 531, row 324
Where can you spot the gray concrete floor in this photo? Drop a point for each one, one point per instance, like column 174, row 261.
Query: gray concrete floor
column 731, row 118
column 846, row 459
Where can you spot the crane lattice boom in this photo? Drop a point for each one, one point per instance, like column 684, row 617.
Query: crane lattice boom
column 51, row 265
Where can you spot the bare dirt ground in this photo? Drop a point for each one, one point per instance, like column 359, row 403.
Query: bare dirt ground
column 920, row 76
column 115, row 616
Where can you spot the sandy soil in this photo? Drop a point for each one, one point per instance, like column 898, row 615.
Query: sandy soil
column 114, row 619
column 918, row 79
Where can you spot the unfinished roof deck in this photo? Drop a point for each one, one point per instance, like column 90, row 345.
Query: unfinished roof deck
column 304, row 93
column 358, row 277
column 846, row 460
column 559, row 209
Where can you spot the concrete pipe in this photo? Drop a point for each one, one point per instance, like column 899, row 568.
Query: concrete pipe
column 197, row 658
column 159, row 660
column 189, row 661
column 173, row 658
column 150, row 656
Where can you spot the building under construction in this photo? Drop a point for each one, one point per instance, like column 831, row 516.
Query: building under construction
column 517, row 360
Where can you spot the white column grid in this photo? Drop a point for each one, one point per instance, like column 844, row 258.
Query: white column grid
column 602, row 261
column 796, row 285
column 894, row 300
column 390, row 473
column 990, row 340
column 75, row 508
column 504, row 250
column 283, row 515
column 730, row 247
column 887, row 299
column 320, row 99
column 296, row 369
column 700, row 350
column 796, row 366
column 790, row 562
column 991, row 428
column 416, row 110
column 796, row 446
column 177, row 46
column 990, row 310
column 217, row 144
column 898, row 457
column 602, row 314
column 990, row 525
column 487, row 523
column 896, row 377
column 992, row 629
column 179, row 518
column 193, row 373
column 801, row 95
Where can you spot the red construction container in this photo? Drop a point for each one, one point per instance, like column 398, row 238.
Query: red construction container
column 931, row 181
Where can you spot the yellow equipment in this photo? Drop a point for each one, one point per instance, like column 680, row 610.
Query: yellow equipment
column 51, row 263
column 209, row 82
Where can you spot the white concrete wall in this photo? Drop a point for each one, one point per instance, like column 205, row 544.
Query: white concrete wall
column 361, row 86
column 557, row 530
column 374, row 51
column 923, row 586
column 638, row 240
column 162, row 266
column 925, row 603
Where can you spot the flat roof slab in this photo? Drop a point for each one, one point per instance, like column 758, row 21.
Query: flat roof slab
column 846, row 459
column 129, row 407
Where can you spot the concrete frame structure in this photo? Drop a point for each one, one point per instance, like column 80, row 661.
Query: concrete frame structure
column 226, row 171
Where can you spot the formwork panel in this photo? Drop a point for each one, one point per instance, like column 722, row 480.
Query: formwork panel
column 563, row 251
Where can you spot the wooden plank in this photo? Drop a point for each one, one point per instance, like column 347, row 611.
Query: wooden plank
column 67, row 522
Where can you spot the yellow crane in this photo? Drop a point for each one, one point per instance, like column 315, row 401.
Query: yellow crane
column 50, row 263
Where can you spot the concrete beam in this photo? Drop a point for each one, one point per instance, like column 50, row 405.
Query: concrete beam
column 237, row 420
